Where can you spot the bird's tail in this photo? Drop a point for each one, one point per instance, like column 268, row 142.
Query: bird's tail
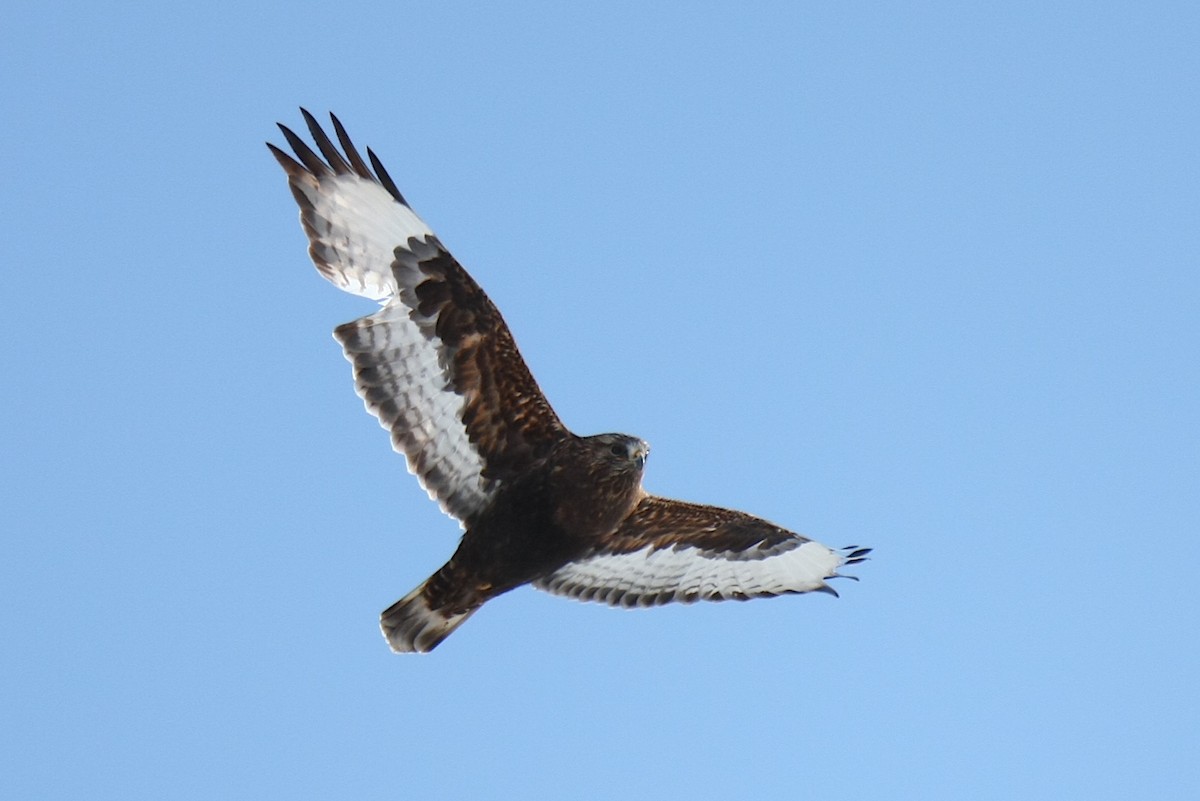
column 413, row 625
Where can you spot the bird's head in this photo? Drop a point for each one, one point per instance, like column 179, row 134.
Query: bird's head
column 621, row 450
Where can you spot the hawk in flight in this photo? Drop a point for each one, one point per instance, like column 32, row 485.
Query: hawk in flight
column 538, row 504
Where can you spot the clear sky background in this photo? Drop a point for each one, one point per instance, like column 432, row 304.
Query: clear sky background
column 923, row 278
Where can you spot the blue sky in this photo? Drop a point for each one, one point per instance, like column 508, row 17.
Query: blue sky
column 917, row 277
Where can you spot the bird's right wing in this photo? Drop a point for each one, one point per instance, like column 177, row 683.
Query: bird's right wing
column 670, row 550
column 436, row 365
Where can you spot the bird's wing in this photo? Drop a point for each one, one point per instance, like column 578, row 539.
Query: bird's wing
column 436, row 365
column 674, row 551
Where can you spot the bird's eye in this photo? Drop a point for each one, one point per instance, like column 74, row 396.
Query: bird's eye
column 618, row 450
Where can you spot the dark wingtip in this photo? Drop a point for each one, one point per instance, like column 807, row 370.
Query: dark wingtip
column 288, row 163
column 384, row 178
column 856, row 554
column 356, row 159
column 305, row 153
column 307, row 159
column 327, row 148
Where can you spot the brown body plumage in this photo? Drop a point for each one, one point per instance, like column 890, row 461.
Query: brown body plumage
column 550, row 516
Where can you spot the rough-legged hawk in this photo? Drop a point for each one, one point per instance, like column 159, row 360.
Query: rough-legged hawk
column 538, row 504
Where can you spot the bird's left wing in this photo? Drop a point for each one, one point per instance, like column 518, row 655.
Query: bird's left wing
column 669, row 550
column 437, row 364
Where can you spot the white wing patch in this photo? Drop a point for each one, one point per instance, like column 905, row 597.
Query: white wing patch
column 650, row 576
column 353, row 226
column 396, row 373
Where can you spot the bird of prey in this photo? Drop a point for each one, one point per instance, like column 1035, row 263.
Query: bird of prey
column 538, row 504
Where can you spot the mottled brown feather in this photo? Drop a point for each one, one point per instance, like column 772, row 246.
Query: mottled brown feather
column 508, row 419
column 666, row 523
